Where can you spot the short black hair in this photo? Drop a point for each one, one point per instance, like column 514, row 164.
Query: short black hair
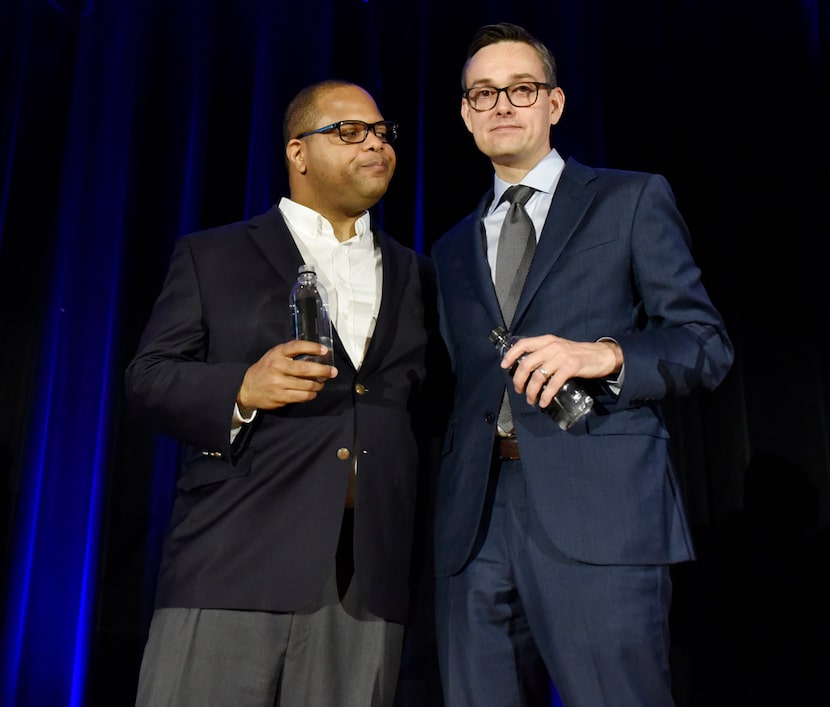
column 507, row 32
column 302, row 113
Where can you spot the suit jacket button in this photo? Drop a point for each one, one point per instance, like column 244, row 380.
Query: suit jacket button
column 360, row 389
column 490, row 418
column 343, row 453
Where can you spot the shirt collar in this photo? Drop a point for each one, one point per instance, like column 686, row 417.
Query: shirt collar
column 543, row 177
column 310, row 224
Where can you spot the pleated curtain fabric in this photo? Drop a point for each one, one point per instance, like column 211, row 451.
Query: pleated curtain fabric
column 517, row 241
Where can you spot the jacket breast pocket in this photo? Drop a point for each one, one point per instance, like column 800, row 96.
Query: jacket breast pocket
column 592, row 238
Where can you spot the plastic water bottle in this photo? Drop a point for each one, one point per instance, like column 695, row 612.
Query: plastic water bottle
column 571, row 402
column 310, row 312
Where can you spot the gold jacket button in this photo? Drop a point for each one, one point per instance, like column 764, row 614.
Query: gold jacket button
column 343, row 453
column 360, row 389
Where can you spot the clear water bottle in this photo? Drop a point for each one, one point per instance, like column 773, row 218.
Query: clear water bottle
column 310, row 312
column 571, row 402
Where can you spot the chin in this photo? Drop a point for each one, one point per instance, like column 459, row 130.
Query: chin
column 376, row 190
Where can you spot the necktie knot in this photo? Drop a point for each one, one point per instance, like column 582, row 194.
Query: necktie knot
column 518, row 194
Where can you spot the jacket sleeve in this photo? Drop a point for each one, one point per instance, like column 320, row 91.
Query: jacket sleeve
column 682, row 343
column 170, row 385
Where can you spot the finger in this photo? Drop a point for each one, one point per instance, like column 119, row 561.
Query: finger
column 535, row 385
column 552, row 386
column 313, row 370
column 301, row 347
column 514, row 353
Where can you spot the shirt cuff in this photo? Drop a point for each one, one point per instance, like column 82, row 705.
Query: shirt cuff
column 240, row 417
column 614, row 383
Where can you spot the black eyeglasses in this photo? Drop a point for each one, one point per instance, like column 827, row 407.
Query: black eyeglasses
column 356, row 131
column 521, row 95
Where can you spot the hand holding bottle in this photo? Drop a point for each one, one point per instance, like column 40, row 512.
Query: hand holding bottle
column 285, row 374
column 569, row 404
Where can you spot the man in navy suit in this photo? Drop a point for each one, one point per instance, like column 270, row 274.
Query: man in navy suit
column 285, row 575
column 553, row 546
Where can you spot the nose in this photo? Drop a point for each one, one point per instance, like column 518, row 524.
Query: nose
column 373, row 142
column 503, row 103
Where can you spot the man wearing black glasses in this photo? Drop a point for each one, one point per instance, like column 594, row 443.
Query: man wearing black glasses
column 286, row 569
column 554, row 533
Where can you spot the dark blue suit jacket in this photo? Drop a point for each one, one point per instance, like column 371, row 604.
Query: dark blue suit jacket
column 255, row 524
column 613, row 260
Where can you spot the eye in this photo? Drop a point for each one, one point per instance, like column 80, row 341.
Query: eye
column 484, row 92
column 522, row 89
column 351, row 132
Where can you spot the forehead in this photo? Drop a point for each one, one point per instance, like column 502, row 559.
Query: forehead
column 347, row 103
column 503, row 63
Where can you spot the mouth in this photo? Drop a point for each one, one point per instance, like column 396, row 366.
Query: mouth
column 375, row 165
column 505, row 127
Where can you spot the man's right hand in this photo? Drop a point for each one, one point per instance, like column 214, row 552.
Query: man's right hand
column 277, row 379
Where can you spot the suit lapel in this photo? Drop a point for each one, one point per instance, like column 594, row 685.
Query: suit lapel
column 574, row 194
column 393, row 283
column 273, row 238
column 476, row 268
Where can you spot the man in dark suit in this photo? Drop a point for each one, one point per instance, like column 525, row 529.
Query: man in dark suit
column 286, row 567
column 553, row 545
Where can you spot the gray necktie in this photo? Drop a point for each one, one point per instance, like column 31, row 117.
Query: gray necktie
column 517, row 241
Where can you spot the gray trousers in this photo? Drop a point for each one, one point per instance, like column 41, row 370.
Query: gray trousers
column 334, row 653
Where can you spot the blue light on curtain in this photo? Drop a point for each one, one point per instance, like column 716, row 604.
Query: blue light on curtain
column 52, row 584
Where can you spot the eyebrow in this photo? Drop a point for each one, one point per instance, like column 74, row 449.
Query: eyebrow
column 513, row 79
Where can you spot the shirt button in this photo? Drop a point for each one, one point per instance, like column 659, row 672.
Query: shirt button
column 343, row 453
column 360, row 389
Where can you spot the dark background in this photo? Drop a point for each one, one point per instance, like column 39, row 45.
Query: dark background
column 124, row 125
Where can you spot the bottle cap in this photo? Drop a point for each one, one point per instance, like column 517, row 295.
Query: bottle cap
column 498, row 335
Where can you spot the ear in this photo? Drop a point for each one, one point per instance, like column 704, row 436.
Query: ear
column 465, row 113
column 557, row 104
column 295, row 155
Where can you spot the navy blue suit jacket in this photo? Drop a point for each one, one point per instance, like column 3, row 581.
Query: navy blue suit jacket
column 255, row 524
column 613, row 260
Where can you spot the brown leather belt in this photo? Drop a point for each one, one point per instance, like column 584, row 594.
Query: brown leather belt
column 506, row 448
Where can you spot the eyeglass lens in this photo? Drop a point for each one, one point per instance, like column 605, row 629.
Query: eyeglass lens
column 357, row 131
column 520, row 95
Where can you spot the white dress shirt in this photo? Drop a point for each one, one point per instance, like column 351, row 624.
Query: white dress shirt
column 350, row 271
